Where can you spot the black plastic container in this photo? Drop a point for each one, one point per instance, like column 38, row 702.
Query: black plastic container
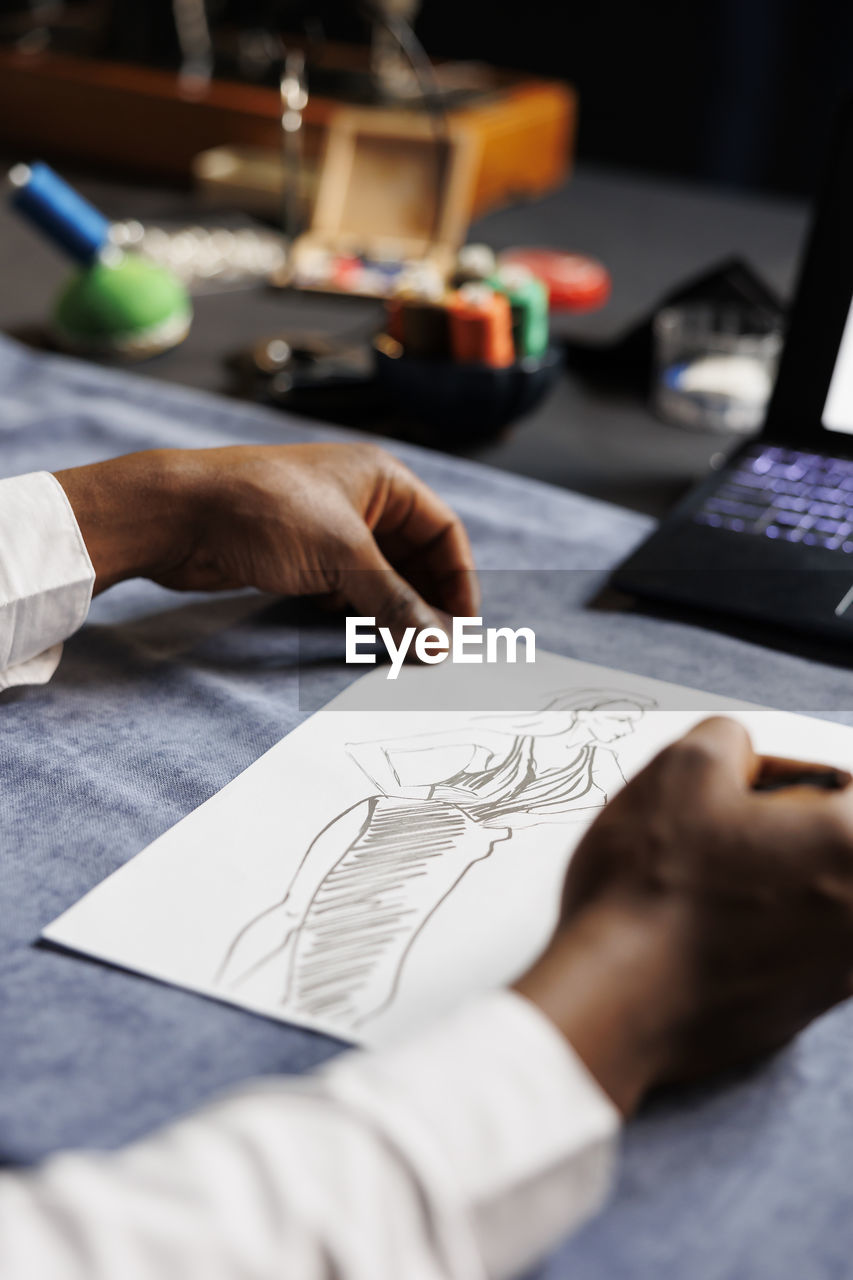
column 464, row 403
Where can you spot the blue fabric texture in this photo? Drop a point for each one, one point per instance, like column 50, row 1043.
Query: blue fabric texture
column 161, row 699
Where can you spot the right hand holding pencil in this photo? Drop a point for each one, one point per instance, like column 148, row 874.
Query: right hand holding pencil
column 705, row 920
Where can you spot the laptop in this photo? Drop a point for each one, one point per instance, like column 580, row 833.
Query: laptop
column 769, row 536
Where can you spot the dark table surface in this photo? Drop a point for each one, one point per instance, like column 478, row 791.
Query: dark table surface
column 650, row 234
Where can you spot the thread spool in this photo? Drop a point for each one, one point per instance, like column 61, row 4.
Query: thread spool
column 116, row 304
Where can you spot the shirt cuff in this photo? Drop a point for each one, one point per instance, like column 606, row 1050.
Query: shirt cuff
column 493, row 1102
column 46, row 577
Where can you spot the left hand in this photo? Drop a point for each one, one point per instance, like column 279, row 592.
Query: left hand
column 347, row 522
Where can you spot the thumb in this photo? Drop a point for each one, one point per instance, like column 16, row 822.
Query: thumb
column 726, row 748
column 374, row 589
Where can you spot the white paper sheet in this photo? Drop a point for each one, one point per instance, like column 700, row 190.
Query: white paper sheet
column 378, row 866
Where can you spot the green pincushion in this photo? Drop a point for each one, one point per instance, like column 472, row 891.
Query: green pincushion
column 130, row 307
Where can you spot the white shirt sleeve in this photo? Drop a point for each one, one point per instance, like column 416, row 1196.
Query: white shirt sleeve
column 46, row 577
column 464, row 1154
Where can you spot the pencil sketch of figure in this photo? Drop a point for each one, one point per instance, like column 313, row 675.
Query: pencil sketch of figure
column 334, row 946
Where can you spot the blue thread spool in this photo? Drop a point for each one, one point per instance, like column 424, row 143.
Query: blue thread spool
column 57, row 209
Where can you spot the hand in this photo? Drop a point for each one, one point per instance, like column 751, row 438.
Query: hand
column 703, row 923
column 347, row 522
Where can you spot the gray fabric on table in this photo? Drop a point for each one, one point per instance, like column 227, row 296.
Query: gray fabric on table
column 162, row 699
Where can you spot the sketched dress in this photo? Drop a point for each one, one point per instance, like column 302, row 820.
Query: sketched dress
column 342, row 939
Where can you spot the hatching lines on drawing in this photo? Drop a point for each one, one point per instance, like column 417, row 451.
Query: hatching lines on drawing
column 334, row 947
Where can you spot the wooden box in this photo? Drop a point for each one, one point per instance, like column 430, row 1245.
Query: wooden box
column 392, row 187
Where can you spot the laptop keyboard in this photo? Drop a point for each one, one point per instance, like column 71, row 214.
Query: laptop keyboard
column 787, row 495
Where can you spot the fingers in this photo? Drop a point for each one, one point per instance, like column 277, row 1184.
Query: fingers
column 456, row 591
column 786, row 792
column 374, row 589
column 724, row 746
column 425, row 540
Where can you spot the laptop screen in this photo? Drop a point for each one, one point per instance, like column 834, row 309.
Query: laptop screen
column 838, row 407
